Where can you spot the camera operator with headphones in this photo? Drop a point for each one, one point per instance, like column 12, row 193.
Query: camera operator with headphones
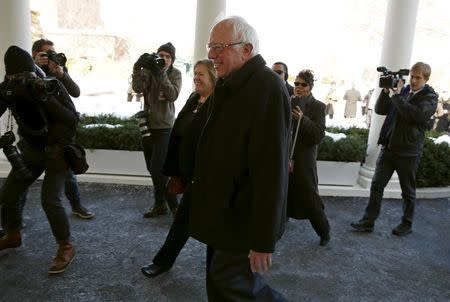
column 160, row 83
column 47, row 122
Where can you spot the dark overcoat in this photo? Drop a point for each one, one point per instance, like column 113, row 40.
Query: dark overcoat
column 240, row 181
column 303, row 196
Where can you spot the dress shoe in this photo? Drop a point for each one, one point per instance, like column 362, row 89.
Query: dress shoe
column 11, row 240
column 153, row 270
column 324, row 240
column 404, row 228
column 63, row 258
column 363, row 225
column 156, row 211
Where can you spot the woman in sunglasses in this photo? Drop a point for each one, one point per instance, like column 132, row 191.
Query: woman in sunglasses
column 308, row 116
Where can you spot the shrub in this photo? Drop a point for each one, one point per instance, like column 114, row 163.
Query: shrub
column 126, row 137
column 434, row 167
column 349, row 149
column 433, row 171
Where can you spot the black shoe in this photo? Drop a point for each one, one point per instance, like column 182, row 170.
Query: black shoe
column 363, row 225
column 324, row 240
column 156, row 211
column 82, row 212
column 404, row 228
column 153, row 270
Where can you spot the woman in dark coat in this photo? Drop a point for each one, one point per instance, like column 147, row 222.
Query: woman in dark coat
column 179, row 164
column 304, row 201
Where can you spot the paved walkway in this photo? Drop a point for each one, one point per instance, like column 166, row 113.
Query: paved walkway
column 113, row 246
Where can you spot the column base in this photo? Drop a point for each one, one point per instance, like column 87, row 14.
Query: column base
column 366, row 174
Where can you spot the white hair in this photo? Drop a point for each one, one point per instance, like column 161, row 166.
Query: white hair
column 244, row 32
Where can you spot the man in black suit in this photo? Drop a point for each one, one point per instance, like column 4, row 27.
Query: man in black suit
column 241, row 171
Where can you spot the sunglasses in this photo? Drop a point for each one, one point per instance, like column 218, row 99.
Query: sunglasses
column 279, row 71
column 303, row 84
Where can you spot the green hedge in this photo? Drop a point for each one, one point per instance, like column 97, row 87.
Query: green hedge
column 126, row 137
column 434, row 168
column 350, row 149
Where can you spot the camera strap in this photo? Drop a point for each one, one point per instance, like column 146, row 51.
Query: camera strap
column 9, row 123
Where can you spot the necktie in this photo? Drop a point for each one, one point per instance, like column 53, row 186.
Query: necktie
column 410, row 95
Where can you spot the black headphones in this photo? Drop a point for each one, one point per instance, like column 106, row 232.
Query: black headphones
column 286, row 75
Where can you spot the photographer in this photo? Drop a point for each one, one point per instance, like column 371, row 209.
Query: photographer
column 408, row 111
column 47, row 122
column 53, row 64
column 160, row 83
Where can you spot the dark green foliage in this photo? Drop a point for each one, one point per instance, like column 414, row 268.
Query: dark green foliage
column 349, row 149
column 434, row 168
column 126, row 137
column 349, row 131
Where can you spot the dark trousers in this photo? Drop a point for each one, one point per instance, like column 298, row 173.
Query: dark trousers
column 70, row 188
column 155, row 150
column 406, row 167
column 319, row 222
column 177, row 236
column 16, row 185
column 229, row 278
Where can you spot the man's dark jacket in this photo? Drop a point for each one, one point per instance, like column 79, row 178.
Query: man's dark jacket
column 57, row 110
column 241, row 168
column 303, row 197
column 403, row 130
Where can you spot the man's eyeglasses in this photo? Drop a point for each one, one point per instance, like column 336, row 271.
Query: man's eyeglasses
column 219, row 47
column 303, row 84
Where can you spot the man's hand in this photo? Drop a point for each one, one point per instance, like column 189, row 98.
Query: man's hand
column 260, row 262
column 399, row 88
column 55, row 69
column 297, row 113
column 41, row 59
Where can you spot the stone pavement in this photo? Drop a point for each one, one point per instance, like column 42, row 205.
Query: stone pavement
column 113, row 246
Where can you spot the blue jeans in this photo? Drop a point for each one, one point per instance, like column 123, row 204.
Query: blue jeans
column 155, row 151
column 37, row 159
column 406, row 167
column 71, row 190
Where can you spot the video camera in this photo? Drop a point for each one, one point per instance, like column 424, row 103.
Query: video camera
column 27, row 83
column 390, row 79
column 151, row 61
column 58, row 58
column 13, row 155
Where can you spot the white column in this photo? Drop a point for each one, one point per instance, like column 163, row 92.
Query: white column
column 15, row 29
column 398, row 41
column 209, row 12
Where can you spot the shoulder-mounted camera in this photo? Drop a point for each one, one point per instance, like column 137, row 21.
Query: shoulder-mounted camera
column 28, row 84
column 390, row 79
